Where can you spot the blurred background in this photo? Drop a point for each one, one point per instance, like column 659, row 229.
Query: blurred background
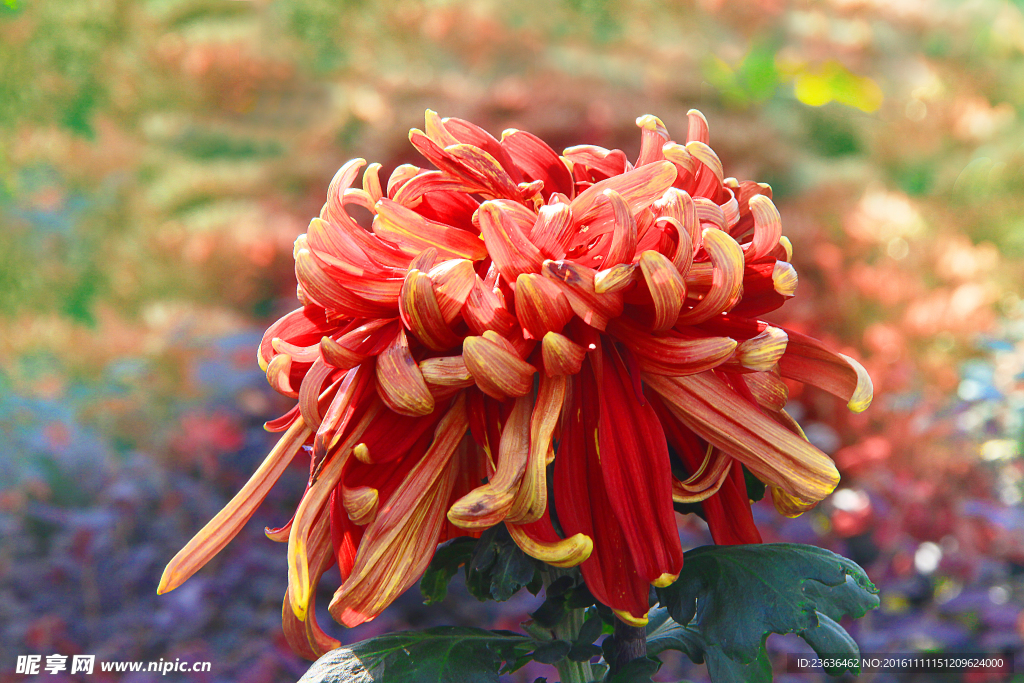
column 159, row 157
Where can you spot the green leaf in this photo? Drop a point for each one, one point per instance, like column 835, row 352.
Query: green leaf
column 498, row 568
column 447, row 559
column 637, row 671
column 729, row 598
column 446, row 654
column 551, row 651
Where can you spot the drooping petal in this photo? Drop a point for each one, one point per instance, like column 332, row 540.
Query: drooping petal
column 714, row 411
column 400, row 381
column 310, row 508
column 488, row 505
column 219, row 531
column 397, row 546
column 768, row 389
column 809, row 361
column 305, row 637
column 540, row 540
column 728, row 511
column 637, row 476
column 531, row 500
column 581, row 501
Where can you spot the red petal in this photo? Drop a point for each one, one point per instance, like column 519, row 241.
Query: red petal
column 537, row 161
column 637, row 475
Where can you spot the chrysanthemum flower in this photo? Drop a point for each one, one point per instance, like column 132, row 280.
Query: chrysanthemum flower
column 513, row 309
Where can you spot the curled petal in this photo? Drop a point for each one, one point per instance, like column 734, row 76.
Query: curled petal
column 577, row 283
column 624, row 234
column 531, row 500
column 446, row 371
column 480, row 168
column 453, row 281
column 704, row 154
column 400, row 381
column 396, row 548
column 678, row 155
column 305, row 636
column 668, row 290
column 219, row 531
column 498, row 371
column 539, row 540
column 710, row 212
column 309, row 392
column 767, row 227
column 762, row 352
column 326, row 291
column 540, row 306
column 553, row 231
column 561, row 355
column 604, row 162
column 342, row 180
column 537, row 160
column 484, row 311
column 412, row 233
column 639, row 188
column 615, row 279
column 336, row 355
column 784, row 278
column 299, row 354
column 399, row 177
column 360, row 503
column 727, row 284
column 487, row 505
column 278, row 375
column 653, row 137
column 414, row 191
column 301, row 327
column 716, row 413
column 671, row 353
column 507, row 244
column 809, row 361
column 698, row 128
column 422, row 315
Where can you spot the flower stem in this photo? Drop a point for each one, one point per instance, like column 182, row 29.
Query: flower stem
column 568, row 670
column 630, row 644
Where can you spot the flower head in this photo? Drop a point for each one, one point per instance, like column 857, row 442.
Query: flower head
column 517, row 308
